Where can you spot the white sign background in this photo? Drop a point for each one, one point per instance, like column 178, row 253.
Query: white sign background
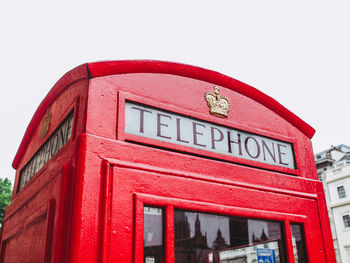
column 166, row 126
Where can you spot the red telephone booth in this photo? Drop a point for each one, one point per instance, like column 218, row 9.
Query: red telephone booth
column 148, row 161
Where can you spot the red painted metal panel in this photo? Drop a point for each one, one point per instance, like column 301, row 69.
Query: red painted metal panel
column 288, row 240
column 49, row 232
column 66, row 198
column 326, row 231
column 169, row 234
column 28, row 245
column 105, row 213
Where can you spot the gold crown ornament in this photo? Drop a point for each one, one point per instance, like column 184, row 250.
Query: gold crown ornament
column 218, row 105
column 45, row 124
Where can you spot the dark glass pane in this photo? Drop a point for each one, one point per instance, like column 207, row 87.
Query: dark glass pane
column 341, row 191
column 208, row 238
column 153, row 245
column 298, row 243
column 346, row 220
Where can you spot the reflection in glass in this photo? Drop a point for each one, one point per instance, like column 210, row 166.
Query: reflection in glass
column 153, row 235
column 208, row 238
column 298, row 243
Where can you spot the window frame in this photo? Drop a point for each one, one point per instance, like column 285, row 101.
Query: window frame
column 343, row 191
column 348, row 220
column 170, row 204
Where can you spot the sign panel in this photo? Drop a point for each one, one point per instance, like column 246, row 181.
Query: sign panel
column 266, row 255
column 149, row 122
column 57, row 140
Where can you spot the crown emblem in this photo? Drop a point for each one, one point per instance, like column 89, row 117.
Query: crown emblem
column 45, row 124
column 218, row 105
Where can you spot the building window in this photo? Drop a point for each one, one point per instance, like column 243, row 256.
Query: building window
column 341, row 191
column 346, row 219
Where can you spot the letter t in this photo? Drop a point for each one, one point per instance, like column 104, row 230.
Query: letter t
column 142, row 117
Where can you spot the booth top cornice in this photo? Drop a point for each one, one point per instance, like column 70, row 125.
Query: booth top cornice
column 105, row 68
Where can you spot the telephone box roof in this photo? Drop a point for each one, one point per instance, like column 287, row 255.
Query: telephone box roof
column 105, row 68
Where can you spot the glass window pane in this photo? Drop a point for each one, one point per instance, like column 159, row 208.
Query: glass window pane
column 298, row 243
column 346, row 219
column 153, row 244
column 209, row 238
column 341, row 191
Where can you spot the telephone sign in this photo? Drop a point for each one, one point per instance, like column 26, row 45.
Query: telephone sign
column 166, row 126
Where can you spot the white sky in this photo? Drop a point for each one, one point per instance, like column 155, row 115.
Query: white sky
column 297, row 52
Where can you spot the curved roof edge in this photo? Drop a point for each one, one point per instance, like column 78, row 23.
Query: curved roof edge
column 99, row 69
column 105, row 68
column 78, row 73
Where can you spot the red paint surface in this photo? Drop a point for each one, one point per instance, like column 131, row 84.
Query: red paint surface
column 88, row 199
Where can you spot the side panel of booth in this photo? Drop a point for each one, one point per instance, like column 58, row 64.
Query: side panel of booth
column 28, row 232
column 42, row 235
column 36, row 223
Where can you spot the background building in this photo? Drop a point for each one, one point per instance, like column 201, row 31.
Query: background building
column 333, row 168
